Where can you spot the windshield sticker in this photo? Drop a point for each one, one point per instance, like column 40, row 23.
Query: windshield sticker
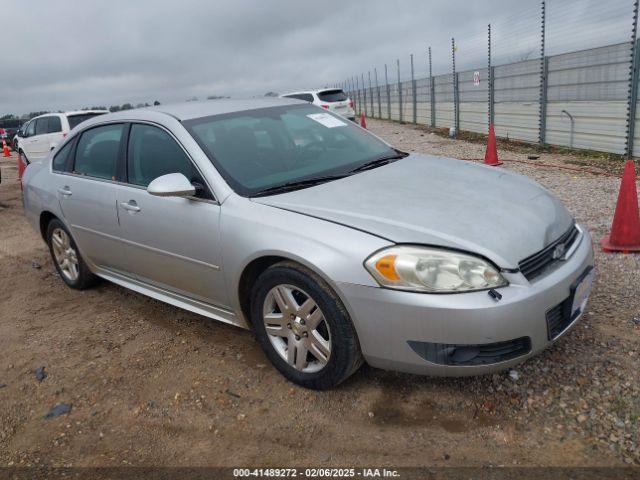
column 327, row 120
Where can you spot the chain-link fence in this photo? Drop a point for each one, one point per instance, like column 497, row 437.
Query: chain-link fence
column 560, row 73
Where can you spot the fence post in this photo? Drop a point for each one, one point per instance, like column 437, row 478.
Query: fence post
column 373, row 110
column 358, row 94
column 544, row 64
column 633, row 85
column 375, row 73
column 432, row 93
column 456, row 113
column 364, row 95
column 386, row 81
column 399, row 93
column 413, row 90
column 490, row 85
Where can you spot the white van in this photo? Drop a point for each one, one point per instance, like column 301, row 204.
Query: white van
column 45, row 132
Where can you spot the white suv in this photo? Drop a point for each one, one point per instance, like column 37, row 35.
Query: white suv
column 332, row 99
column 45, row 132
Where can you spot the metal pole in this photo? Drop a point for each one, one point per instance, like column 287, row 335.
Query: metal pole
column 399, row 92
column 413, row 90
column 373, row 110
column 542, row 121
column 490, row 79
column 364, row 96
column 375, row 73
column 358, row 94
column 633, row 84
column 456, row 113
column 386, row 81
column 432, row 93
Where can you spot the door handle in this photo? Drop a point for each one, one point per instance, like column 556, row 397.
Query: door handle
column 130, row 206
column 66, row 191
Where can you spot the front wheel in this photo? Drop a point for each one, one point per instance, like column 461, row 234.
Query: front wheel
column 303, row 327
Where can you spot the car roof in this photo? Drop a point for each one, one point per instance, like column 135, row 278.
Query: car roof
column 71, row 113
column 196, row 109
column 313, row 91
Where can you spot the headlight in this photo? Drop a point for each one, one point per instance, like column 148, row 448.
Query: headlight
column 423, row 269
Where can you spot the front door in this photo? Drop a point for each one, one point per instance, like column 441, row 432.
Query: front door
column 173, row 243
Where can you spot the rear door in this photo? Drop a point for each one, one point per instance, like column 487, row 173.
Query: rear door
column 86, row 188
column 54, row 133
column 173, row 243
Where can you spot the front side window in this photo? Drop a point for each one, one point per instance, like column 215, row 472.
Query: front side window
column 97, row 152
column 260, row 149
column 54, row 125
column 31, row 128
column 153, row 153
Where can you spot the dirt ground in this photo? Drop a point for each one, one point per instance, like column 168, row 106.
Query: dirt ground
column 150, row 384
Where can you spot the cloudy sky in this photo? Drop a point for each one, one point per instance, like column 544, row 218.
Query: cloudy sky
column 70, row 54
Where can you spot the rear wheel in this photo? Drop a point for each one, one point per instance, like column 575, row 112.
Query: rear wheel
column 66, row 257
column 303, row 327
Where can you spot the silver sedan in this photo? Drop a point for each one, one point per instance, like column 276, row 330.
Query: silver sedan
column 331, row 245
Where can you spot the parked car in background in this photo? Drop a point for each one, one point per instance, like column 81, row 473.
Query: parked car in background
column 332, row 99
column 9, row 133
column 15, row 139
column 45, row 132
column 334, row 247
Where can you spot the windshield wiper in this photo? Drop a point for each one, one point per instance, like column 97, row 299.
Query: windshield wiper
column 380, row 161
column 297, row 185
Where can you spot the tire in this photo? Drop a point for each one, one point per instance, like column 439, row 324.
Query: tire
column 63, row 247
column 297, row 343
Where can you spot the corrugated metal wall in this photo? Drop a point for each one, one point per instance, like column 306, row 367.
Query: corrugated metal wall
column 586, row 100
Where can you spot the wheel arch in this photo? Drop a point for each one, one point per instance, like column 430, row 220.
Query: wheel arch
column 257, row 265
column 45, row 218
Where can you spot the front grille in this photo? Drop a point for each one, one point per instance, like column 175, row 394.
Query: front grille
column 535, row 265
column 558, row 319
column 468, row 355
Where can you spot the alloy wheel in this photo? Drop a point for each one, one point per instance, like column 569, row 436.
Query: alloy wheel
column 65, row 254
column 297, row 328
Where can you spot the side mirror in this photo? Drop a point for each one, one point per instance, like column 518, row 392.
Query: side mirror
column 171, row 185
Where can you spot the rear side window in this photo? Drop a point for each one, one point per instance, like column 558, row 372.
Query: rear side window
column 75, row 120
column 97, row 152
column 60, row 160
column 307, row 97
column 54, row 125
column 153, row 153
column 332, row 96
column 42, row 125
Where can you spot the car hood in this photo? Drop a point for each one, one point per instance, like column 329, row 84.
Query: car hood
column 438, row 201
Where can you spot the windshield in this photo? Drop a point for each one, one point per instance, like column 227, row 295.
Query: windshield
column 256, row 150
column 75, row 120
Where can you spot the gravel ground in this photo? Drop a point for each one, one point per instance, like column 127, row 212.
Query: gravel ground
column 149, row 384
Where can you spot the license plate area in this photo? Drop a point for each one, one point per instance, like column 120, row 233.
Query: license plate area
column 564, row 314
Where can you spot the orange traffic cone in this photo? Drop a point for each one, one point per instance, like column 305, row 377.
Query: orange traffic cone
column 363, row 121
column 5, row 149
column 22, row 166
column 625, row 230
column 491, row 155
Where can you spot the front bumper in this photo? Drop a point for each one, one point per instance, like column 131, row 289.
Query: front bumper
column 392, row 325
